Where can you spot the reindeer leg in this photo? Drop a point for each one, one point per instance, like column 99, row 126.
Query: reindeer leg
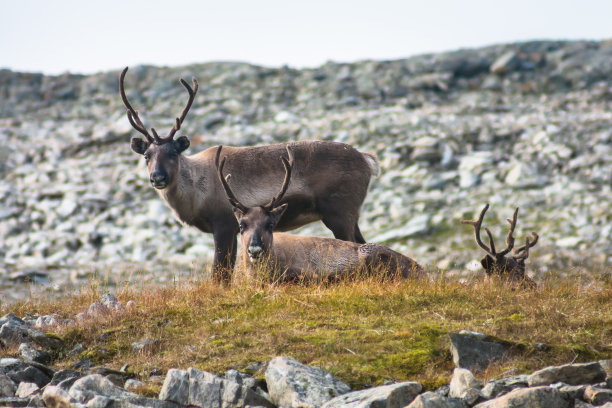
column 225, row 253
column 358, row 236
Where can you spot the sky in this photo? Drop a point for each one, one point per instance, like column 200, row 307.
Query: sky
column 87, row 36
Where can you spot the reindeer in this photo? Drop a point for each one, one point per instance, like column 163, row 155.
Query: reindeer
column 496, row 264
column 293, row 257
column 330, row 182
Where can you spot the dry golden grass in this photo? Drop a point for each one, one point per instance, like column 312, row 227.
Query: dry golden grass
column 365, row 331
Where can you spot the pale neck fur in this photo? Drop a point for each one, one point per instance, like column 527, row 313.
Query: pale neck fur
column 188, row 191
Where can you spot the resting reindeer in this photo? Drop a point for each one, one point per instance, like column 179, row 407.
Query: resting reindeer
column 496, row 264
column 290, row 257
column 330, row 183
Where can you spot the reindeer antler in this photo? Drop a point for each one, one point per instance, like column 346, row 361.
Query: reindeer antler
column 228, row 191
column 131, row 113
column 477, row 225
column 137, row 123
column 510, row 237
column 288, row 163
column 525, row 248
column 180, row 119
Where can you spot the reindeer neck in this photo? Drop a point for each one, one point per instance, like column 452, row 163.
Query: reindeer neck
column 188, row 190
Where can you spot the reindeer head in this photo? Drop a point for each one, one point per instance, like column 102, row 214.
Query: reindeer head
column 161, row 154
column 496, row 264
column 257, row 223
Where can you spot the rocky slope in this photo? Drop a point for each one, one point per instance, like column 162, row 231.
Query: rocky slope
column 526, row 125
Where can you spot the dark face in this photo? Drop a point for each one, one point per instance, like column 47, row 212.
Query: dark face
column 256, row 226
column 503, row 267
column 162, row 160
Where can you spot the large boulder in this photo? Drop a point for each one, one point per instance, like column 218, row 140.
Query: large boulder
column 474, row 353
column 536, row 397
column 573, row 374
column 391, row 396
column 292, row 384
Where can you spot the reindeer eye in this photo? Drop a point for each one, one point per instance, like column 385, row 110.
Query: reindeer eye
column 147, row 157
column 242, row 227
column 271, row 226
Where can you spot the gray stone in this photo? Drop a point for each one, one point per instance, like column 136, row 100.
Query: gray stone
column 433, row 400
column 132, row 384
column 472, row 353
column 26, row 389
column 7, row 386
column 536, row 397
column 419, row 225
column 14, row 402
column 30, row 374
column 597, row 396
column 208, row 390
column 12, row 333
column 505, row 63
column 87, row 388
column 145, row 345
column 29, row 353
column 175, row 387
column 463, row 380
column 391, row 396
column 292, row 384
column 56, row 397
column 573, row 374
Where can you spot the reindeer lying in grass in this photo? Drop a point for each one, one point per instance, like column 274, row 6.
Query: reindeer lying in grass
column 496, row 264
column 292, row 257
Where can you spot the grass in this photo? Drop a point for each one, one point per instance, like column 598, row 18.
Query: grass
column 365, row 331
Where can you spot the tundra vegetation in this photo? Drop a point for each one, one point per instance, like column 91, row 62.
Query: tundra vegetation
column 365, row 331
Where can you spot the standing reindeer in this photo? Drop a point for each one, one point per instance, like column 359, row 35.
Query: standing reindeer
column 330, row 183
column 291, row 257
column 496, row 264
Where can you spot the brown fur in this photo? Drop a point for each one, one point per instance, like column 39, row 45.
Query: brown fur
column 291, row 257
column 330, row 182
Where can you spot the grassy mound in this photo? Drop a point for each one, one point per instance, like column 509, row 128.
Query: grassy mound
column 365, row 331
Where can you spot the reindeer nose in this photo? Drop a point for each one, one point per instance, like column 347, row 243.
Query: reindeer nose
column 158, row 179
column 254, row 250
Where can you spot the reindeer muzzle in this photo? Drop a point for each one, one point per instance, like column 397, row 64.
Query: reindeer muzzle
column 158, row 180
column 255, row 252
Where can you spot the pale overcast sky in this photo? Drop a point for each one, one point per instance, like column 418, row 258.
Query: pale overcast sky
column 84, row 36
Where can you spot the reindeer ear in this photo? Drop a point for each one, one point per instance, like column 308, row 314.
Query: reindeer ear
column 487, row 263
column 138, row 145
column 181, row 144
column 278, row 212
column 238, row 213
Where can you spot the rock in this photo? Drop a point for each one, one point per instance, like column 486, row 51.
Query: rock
column 208, row 390
column 393, row 395
column 29, row 353
column 56, row 397
column 132, row 384
column 98, row 387
column 112, row 303
column 12, row 333
column 573, row 374
column 465, row 386
column 7, row 386
column 64, row 379
column 417, row 226
column 505, row 63
column 433, row 400
column 145, row 345
column 14, row 402
column 175, row 387
column 536, row 397
column 292, row 384
column 472, row 353
column 30, row 374
column 597, row 396
column 26, row 389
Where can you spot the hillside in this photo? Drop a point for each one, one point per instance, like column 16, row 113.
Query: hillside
column 526, row 125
